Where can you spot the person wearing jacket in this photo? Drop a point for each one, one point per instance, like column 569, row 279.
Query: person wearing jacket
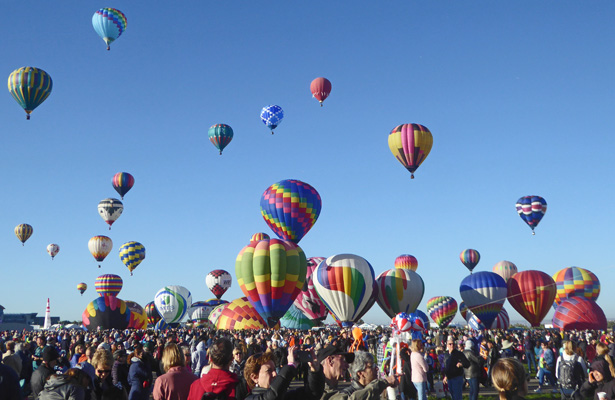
column 599, row 380
column 419, row 369
column 365, row 383
column 102, row 386
column 199, row 358
column 119, row 372
column 49, row 358
column 139, row 376
column 569, row 355
column 265, row 384
column 219, row 380
column 175, row 383
column 406, row 387
column 509, row 379
column 70, row 386
column 453, row 369
column 472, row 373
column 546, row 367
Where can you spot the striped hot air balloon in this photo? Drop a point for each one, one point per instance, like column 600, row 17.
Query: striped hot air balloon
column 108, row 285
column 109, row 24
column 30, row 87
column 131, row 254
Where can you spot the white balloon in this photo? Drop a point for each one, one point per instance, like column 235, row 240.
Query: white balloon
column 172, row 302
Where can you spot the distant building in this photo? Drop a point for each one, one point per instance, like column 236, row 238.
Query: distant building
column 24, row 321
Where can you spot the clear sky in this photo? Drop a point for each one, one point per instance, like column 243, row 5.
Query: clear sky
column 518, row 96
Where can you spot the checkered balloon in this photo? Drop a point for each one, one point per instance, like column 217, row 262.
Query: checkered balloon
column 271, row 116
column 218, row 281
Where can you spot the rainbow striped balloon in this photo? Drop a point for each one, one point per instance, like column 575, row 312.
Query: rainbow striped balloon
column 575, row 282
column 108, row 285
column 410, row 144
column 442, row 309
column 109, row 24
column 29, row 87
column 122, row 182
column 406, row 261
column 469, row 258
column 259, row 236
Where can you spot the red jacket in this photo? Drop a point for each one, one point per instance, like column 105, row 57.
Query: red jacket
column 215, row 381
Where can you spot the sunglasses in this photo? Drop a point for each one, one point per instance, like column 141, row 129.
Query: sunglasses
column 103, row 371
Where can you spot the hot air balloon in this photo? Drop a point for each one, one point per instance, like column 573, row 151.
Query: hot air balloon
column 575, row 282
column 469, row 258
column 271, row 274
column 531, row 293
column 406, row 261
column 272, row 116
column 484, row 293
column 110, row 210
column 215, row 302
column 199, row 317
column 259, row 236
column 505, row 269
column 401, row 323
column 410, row 144
column 106, row 313
column 138, row 317
column 122, row 182
column 442, row 309
column 131, row 254
column 53, row 250
column 215, row 313
column 240, row 314
column 399, row 290
column 172, row 303
column 108, row 285
column 419, row 320
column 531, row 209
column 296, row 319
column 30, row 86
column 502, row 321
column 320, row 88
column 100, row 247
column 109, row 24
column 82, row 287
column 220, row 135
column 345, row 283
column 218, row 281
column 308, row 301
column 290, row 208
column 152, row 313
column 463, row 310
column 23, row 232
column 475, row 323
column 579, row 313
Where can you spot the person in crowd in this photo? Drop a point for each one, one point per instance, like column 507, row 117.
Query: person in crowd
column 175, row 383
column 199, row 356
column 238, row 362
column 79, row 350
column 453, row 370
column 102, row 362
column 546, row 368
column 570, row 376
column 49, row 361
column 419, row 369
column 530, row 355
column 509, row 379
column 492, row 357
column 140, row 377
column 603, row 353
column 406, row 388
column 334, row 362
column 11, row 358
column 72, row 385
column 266, row 384
column 473, row 371
column 599, row 380
column 37, row 356
column 119, row 372
column 219, row 380
column 187, row 357
column 9, row 384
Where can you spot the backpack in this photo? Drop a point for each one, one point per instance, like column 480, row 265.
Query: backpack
column 570, row 374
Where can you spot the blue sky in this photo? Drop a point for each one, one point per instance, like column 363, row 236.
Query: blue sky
column 518, row 96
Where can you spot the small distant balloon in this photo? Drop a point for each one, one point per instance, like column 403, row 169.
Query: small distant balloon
column 100, row 247
column 218, row 281
column 469, row 258
column 257, row 237
column 320, row 88
column 110, row 210
column 153, row 316
column 82, row 287
column 220, row 136
column 122, row 182
column 272, row 116
column 53, row 249
column 109, row 24
column 131, row 254
column 108, row 285
column 505, row 269
column 410, row 144
column 30, row 86
column 531, row 209
column 406, row 261
column 23, row 232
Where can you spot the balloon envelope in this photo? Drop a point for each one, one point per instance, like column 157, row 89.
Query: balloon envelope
column 272, row 116
column 259, row 236
column 401, row 323
column 220, row 136
column 109, row 24
column 470, row 258
column 531, row 293
column 484, row 293
column 131, row 254
column 406, row 261
column 531, row 209
column 138, row 317
column 218, row 281
column 82, row 287
column 399, row 290
column 29, row 87
column 271, row 273
column 502, row 321
column 290, row 208
column 215, row 313
column 23, row 232
column 106, row 312
column 410, row 144
column 442, row 309
column 100, row 247
column 419, row 320
column 320, row 88
column 53, row 250
column 579, row 313
column 575, row 282
column 296, row 319
column 153, row 316
column 240, row 314
column 172, row 303
column 307, row 300
column 122, row 182
column 346, row 285
column 505, row 269
column 108, row 285
column 110, row 210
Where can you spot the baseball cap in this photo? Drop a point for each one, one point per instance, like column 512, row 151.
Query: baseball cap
column 50, row 354
column 330, row 350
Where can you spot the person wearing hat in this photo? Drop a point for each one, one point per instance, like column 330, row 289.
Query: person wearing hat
column 453, row 369
column 334, row 363
column 49, row 357
column 599, row 380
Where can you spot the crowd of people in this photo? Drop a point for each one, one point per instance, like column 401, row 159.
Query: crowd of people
column 323, row 364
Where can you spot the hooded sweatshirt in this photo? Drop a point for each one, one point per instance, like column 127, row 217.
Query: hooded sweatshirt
column 606, row 385
column 215, row 381
column 60, row 387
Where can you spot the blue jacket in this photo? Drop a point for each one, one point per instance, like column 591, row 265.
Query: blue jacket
column 140, row 380
column 549, row 359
